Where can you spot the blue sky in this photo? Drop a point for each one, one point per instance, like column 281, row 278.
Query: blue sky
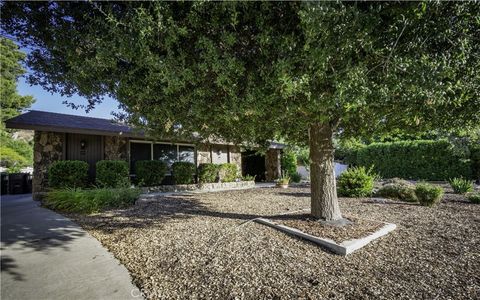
column 53, row 102
column 47, row 101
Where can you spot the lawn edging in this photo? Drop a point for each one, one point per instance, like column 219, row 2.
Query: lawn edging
column 343, row 248
column 214, row 186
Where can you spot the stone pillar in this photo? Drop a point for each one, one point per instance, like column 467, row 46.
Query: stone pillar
column 48, row 147
column 116, row 148
column 272, row 164
column 235, row 157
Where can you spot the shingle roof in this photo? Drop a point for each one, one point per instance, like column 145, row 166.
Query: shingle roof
column 48, row 121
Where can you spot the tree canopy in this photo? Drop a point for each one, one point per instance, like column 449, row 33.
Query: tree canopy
column 11, row 69
column 253, row 71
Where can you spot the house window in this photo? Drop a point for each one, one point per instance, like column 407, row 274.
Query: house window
column 139, row 151
column 186, row 153
column 166, row 153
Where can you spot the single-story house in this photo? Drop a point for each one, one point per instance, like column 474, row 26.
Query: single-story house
column 70, row 137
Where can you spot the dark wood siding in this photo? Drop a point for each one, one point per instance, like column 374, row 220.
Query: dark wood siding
column 92, row 152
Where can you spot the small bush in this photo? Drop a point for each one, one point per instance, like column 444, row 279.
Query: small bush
column 461, row 186
column 207, row 173
column 398, row 191
column 249, row 178
column 296, row 177
column 68, row 174
column 228, row 172
column 112, row 173
column 150, row 172
column 89, row 201
column 428, row 194
column 356, row 182
column 474, row 198
column 289, row 162
column 183, row 172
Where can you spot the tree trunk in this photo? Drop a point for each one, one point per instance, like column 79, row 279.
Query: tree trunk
column 324, row 201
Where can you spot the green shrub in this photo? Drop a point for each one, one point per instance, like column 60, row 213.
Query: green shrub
column 89, row 201
column 428, row 194
column 249, row 178
column 461, row 186
column 112, row 173
column 183, row 172
column 296, row 177
column 150, row 172
column 207, row 173
column 475, row 161
column 228, row 172
column 474, row 198
column 421, row 159
column 398, row 191
column 356, row 182
column 68, row 174
column 289, row 162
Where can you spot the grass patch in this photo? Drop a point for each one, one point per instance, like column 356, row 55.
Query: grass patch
column 88, row 201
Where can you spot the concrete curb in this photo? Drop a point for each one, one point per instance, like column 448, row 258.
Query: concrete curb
column 343, row 248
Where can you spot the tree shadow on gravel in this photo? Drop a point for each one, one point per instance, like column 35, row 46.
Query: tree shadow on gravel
column 158, row 211
column 295, row 194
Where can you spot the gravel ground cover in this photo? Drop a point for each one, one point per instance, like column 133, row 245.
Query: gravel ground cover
column 205, row 246
column 358, row 227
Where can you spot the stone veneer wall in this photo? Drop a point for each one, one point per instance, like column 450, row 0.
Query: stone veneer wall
column 48, row 147
column 116, row 148
column 272, row 164
column 203, row 154
column 236, row 157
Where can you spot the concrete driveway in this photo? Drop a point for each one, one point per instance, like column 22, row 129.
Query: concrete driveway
column 46, row 256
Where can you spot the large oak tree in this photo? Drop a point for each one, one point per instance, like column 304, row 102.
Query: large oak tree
column 249, row 72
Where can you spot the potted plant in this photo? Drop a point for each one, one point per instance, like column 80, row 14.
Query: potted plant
column 283, row 181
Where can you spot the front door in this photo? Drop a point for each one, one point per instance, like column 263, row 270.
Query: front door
column 85, row 147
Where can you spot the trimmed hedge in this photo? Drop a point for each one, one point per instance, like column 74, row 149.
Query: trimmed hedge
column 475, row 159
column 207, row 173
column 112, row 173
column 150, row 172
column 227, row 172
column 422, row 159
column 68, row 174
column 183, row 172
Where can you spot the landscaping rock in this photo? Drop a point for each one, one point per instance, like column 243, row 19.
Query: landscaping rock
column 205, row 246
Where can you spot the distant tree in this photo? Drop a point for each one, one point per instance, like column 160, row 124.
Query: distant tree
column 10, row 70
column 15, row 154
column 303, row 71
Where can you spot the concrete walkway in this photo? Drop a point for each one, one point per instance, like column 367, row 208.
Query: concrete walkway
column 46, row 256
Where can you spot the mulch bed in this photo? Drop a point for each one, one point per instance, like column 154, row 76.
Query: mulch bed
column 204, row 246
column 358, row 228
